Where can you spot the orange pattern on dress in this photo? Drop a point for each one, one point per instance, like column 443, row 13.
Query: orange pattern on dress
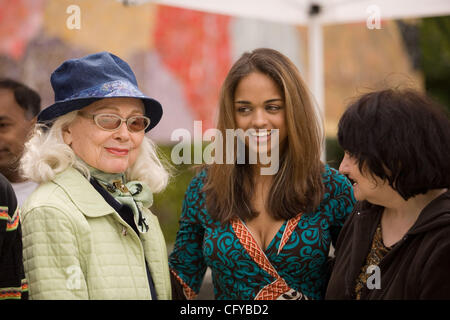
column 188, row 292
column 252, row 247
column 290, row 227
column 273, row 290
column 279, row 286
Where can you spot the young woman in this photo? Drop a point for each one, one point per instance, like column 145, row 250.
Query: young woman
column 264, row 236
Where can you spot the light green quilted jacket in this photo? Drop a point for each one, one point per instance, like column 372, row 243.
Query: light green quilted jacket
column 76, row 246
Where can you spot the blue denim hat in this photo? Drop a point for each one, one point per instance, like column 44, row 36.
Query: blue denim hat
column 80, row 82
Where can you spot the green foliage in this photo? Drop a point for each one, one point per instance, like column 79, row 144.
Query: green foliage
column 435, row 60
column 167, row 205
column 334, row 152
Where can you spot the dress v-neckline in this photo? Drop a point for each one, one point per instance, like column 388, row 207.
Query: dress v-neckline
column 249, row 242
column 271, row 243
column 255, row 251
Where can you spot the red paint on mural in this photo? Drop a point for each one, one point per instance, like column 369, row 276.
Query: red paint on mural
column 20, row 21
column 195, row 46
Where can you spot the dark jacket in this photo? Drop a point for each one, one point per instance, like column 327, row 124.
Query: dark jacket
column 12, row 277
column 417, row 267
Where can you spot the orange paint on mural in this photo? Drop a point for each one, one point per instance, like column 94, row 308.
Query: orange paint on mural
column 195, row 46
column 20, row 21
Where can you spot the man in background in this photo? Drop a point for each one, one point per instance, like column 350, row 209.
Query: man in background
column 19, row 106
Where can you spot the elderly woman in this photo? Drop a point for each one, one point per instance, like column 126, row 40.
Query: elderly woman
column 396, row 243
column 87, row 229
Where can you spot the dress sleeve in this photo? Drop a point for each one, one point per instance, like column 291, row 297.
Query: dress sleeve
column 51, row 256
column 341, row 202
column 186, row 261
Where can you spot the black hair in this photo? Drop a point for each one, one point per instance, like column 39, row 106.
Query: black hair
column 26, row 98
column 401, row 136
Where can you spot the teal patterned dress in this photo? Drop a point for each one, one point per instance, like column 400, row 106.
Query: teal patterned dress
column 293, row 265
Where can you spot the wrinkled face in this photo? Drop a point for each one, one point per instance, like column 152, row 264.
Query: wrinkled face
column 14, row 130
column 258, row 105
column 108, row 151
column 365, row 187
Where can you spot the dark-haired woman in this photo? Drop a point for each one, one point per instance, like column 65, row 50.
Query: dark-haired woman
column 265, row 234
column 396, row 243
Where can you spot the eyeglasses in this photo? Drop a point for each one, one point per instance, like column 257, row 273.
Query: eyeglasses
column 112, row 122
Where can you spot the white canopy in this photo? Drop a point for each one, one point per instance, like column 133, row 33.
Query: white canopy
column 331, row 11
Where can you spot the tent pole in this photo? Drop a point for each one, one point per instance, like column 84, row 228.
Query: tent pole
column 316, row 70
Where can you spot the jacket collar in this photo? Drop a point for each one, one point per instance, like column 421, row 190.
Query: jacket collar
column 82, row 193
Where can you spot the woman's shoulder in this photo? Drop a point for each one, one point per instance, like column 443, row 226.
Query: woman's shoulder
column 331, row 174
column 44, row 194
column 338, row 200
column 53, row 193
column 334, row 181
column 196, row 184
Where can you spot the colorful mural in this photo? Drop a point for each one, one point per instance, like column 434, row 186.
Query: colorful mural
column 180, row 57
column 195, row 47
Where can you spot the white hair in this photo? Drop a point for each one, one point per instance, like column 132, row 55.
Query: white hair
column 46, row 154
